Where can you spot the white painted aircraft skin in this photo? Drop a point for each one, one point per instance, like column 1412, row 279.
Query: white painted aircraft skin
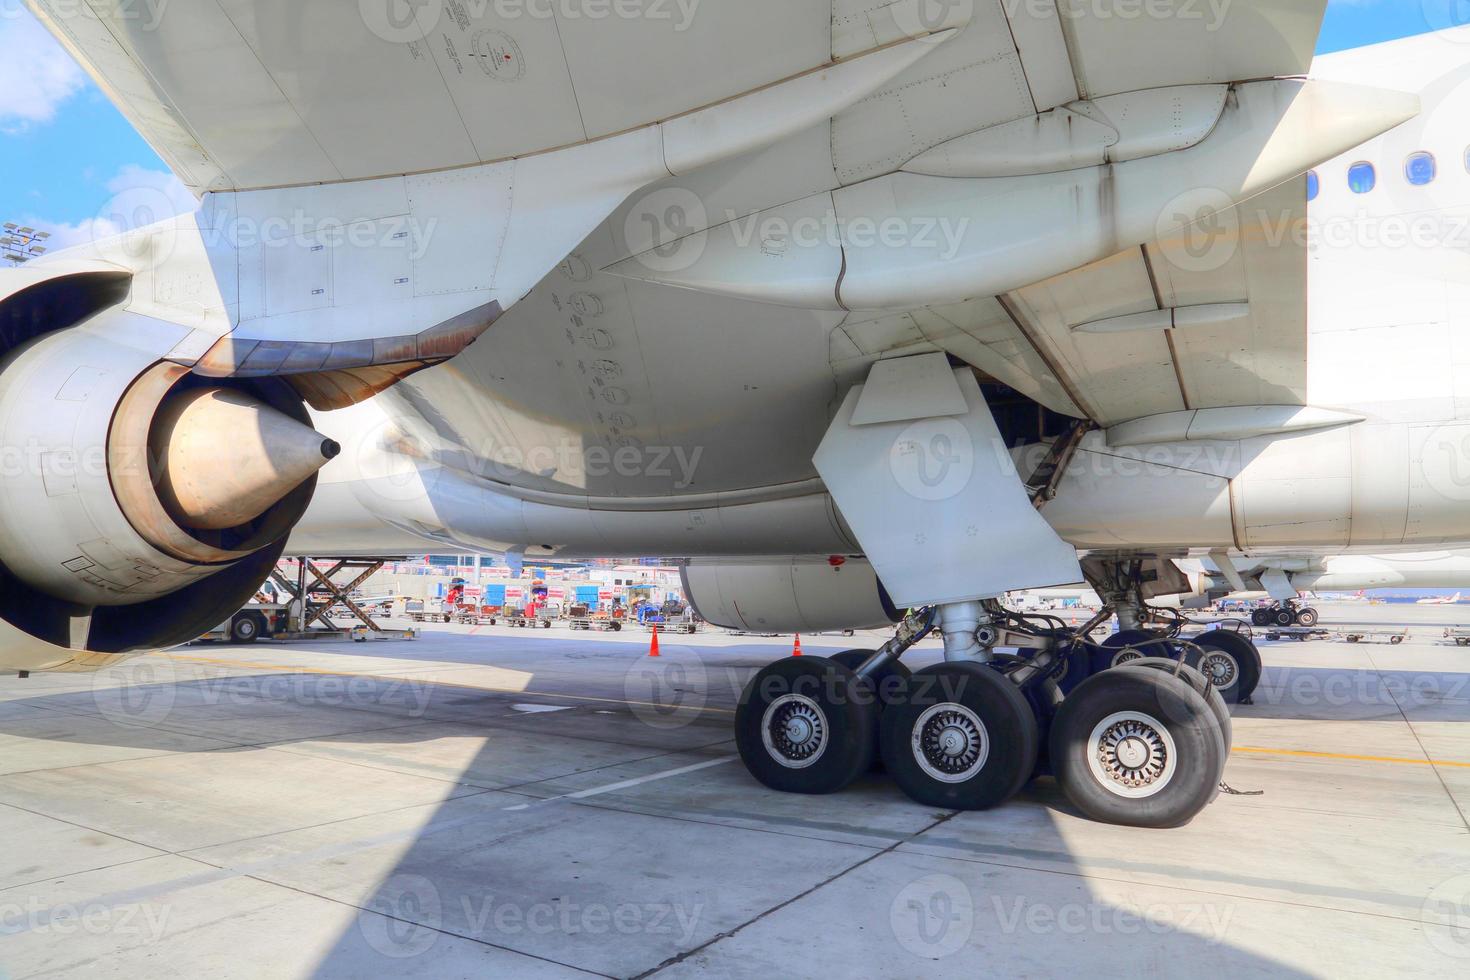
column 1337, row 573
column 1257, row 392
column 698, row 377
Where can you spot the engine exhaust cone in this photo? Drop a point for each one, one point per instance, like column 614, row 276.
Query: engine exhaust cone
column 223, row 457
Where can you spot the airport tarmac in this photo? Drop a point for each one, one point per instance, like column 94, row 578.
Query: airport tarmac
column 548, row 803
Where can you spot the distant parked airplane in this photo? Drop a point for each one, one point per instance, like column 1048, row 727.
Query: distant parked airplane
column 1440, row 600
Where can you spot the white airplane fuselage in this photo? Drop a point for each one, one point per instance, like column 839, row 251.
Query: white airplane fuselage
column 554, row 435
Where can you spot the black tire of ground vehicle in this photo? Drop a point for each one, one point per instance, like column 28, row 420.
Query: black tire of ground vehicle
column 890, row 682
column 247, row 627
column 1308, row 617
column 956, row 764
column 808, row 694
column 617, row 627
column 1239, row 652
column 1262, row 617
column 1145, row 715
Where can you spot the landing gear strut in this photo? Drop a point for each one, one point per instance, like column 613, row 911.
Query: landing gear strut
column 1227, row 658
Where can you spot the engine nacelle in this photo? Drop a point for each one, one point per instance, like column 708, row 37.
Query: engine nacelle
column 795, row 595
column 140, row 505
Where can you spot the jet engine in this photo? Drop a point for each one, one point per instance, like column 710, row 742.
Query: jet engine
column 140, row 504
column 795, row 595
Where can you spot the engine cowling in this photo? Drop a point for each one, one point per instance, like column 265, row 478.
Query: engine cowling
column 795, row 595
column 140, row 505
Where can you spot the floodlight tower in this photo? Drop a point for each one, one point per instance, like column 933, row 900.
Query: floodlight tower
column 21, row 243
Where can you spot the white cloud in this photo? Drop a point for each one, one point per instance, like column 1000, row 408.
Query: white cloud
column 137, row 197
column 40, row 74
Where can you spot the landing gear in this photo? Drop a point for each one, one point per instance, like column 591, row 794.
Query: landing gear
column 889, row 684
column 963, row 739
column 1141, row 743
column 1231, row 662
column 1202, row 687
column 888, row 680
column 806, row 725
column 1285, row 614
column 1137, row 747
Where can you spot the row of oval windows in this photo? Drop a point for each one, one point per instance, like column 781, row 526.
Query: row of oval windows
column 1419, row 169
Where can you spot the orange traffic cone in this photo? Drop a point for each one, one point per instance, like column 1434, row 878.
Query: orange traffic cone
column 796, row 650
column 653, row 647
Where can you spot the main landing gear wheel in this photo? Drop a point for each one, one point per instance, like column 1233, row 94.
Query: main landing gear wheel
column 1133, row 645
column 1307, row 617
column 1202, row 687
column 964, row 738
column 1262, row 617
column 1137, row 747
column 889, row 683
column 1231, row 662
column 1284, row 617
column 805, row 725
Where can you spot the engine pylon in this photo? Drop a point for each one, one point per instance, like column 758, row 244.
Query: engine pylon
column 223, row 457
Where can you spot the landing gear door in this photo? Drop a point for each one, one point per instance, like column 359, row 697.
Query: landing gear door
column 935, row 499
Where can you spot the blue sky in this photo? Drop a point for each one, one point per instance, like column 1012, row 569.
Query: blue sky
column 67, row 151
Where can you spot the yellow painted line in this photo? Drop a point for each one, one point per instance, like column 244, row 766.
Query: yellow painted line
column 1297, row 753
column 400, row 678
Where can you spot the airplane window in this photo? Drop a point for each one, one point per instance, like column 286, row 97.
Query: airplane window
column 1421, row 169
column 1314, row 185
column 1362, row 178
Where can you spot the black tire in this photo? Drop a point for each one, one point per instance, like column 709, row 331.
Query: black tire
column 890, row 682
column 1124, row 641
column 946, row 701
column 247, row 627
column 1137, row 711
column 617, row 627
column 1202, row 687
column 1308, row 617
column 1262, row 617
column 817, row 693
column 1284, row 617
column 1231, row 662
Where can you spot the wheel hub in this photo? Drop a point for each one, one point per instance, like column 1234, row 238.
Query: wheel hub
column 794, row 730
column 1132, row 754
column 950, row 743
column 1220, row 668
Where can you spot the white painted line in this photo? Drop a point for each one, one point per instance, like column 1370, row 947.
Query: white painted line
column 625, row 784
